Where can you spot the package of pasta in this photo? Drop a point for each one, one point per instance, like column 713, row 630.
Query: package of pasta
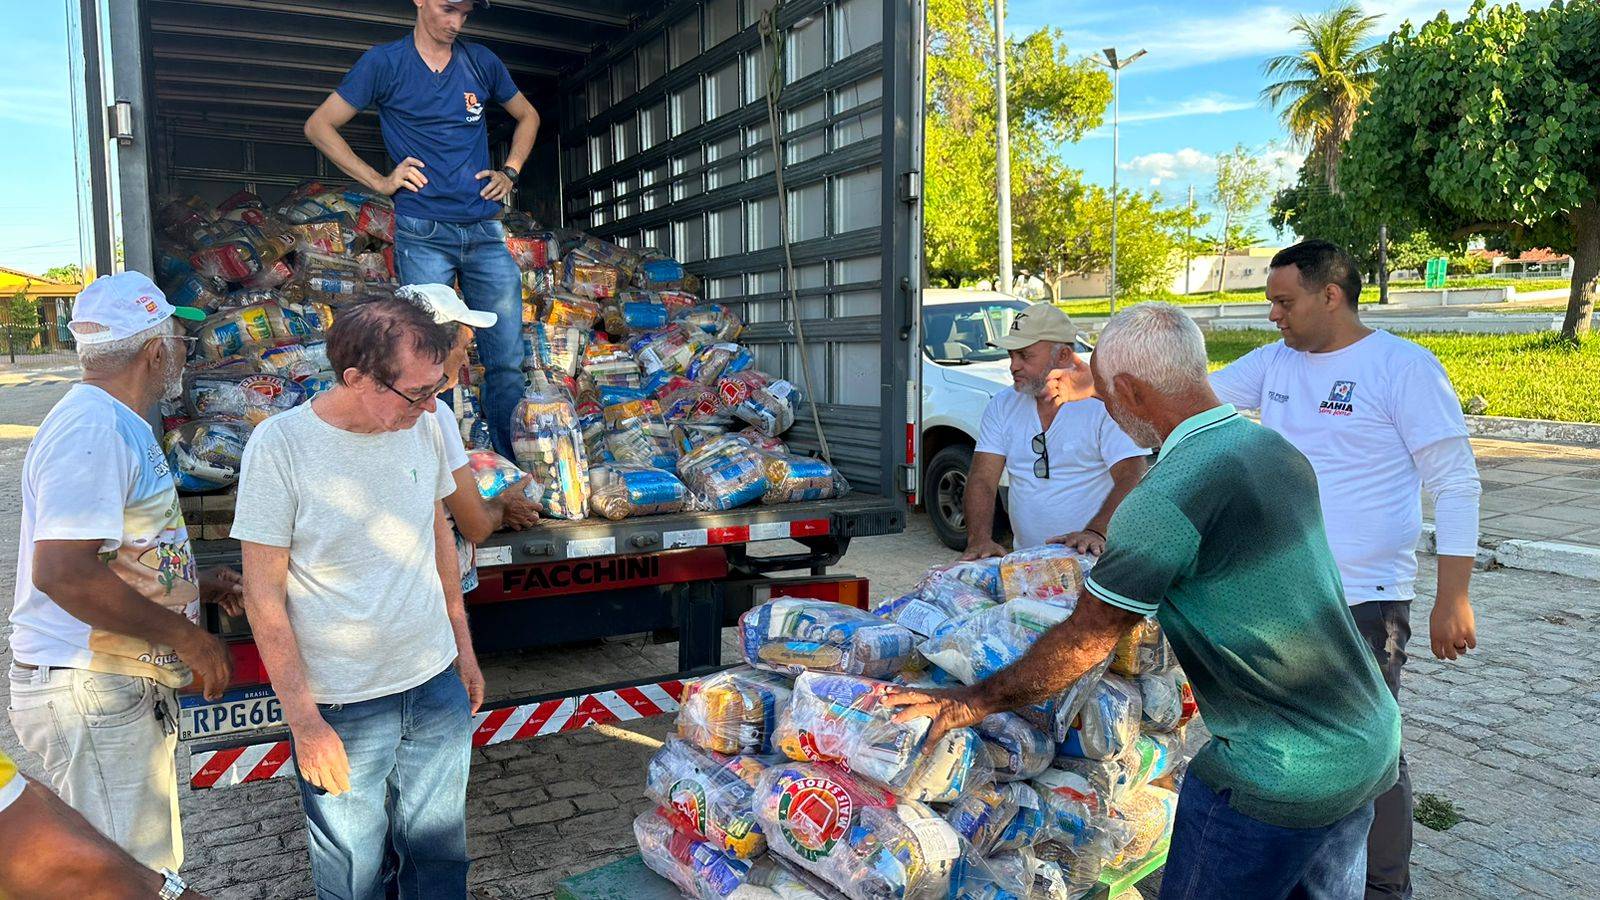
column 981, row 816
column 660, row 273
column 712, row 793
column 792, row 635
column 842, row 718
column 717, row 360
column 252, row 398
column 1042, row 572
column 1018, row 750
column 856, row 836
column 623, row 317
column 716, row 321
column 733, row 711
column 796, row 479
column 1108, row 723
column 694, row 866
column 494, row 474
column 1148, row 813
column 205, row 454
column 619, row 491
column 1143, row 649
column 723, row 473
column 548, row 443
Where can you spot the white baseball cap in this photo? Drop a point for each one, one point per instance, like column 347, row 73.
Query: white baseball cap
column 120, row 306
column 1039, row 322
column 446, row 305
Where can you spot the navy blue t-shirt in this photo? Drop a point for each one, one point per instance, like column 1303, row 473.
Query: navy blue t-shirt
column 434, row 117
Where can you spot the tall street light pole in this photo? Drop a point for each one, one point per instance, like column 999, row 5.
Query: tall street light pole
column 1116, row 66
column 1002, row 166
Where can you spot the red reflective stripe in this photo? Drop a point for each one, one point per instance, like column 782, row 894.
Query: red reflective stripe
column 911, row 443
column 731, row 534
column 808, row 528
column 491, row 725
column 641, row 704
column 674, row 689
column 216, row 766
column 271, row 763
column 590, row 711
column 541, row 715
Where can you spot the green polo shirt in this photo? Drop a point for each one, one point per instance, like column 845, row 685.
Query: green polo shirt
column 1223, row 543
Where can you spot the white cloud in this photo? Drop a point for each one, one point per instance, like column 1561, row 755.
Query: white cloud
column 1201, row 105
column 1160, row 167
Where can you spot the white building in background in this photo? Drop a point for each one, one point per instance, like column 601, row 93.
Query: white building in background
column 1247, row 269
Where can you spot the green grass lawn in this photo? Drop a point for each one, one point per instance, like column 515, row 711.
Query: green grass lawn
column 1526, row 376
column 1523, row 285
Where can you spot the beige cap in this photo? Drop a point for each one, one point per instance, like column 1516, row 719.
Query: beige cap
column 1039, row 322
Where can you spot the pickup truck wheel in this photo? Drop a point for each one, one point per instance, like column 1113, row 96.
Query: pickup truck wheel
column 944, row 490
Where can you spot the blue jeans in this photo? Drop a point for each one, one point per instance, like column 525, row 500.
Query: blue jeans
column 1218, row 852
column 429, row 252
column 409, row 756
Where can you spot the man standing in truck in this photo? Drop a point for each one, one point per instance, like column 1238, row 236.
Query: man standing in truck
column 430, row 89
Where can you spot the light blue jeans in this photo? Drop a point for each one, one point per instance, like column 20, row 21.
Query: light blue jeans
column 409, row 757
column 430, row 252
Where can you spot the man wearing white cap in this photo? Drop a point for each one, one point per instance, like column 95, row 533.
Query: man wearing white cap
column 474, row 518
column 107, row 598
column 1069, row 465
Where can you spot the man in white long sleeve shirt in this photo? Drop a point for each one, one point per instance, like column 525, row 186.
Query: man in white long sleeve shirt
column 1380, row 422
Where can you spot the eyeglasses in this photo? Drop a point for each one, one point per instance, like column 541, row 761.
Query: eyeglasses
column 1041, row 466
column 415, row 402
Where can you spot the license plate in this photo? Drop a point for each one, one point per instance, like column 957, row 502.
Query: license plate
column 250, row 710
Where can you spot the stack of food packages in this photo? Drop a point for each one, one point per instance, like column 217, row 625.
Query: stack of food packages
column 270, row 281
column 790, row 770
column 639, row 399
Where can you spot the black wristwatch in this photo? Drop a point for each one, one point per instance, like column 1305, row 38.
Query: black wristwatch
column 510, row 173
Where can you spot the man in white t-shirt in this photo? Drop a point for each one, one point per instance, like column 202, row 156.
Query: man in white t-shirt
column 1069, row 464
column 473, row 517
column 1378, row 419
column 354, row 596
column 107, row 600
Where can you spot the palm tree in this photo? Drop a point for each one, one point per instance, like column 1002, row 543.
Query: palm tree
column 1319, row 91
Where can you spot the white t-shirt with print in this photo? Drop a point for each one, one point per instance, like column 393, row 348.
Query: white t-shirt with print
column 95, row 472
column 356, row 512
column 455, row 454
column 1083, row 444
column 1358, row 414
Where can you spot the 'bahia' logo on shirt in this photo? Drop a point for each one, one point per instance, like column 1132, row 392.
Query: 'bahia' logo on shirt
column 1340, row 399
column 474, row 107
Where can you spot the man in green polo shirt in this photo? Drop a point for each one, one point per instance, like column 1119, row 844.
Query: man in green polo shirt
column 1223, row 543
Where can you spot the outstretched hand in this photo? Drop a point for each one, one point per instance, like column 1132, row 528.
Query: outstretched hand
column 1072, row 382
column 948, row 710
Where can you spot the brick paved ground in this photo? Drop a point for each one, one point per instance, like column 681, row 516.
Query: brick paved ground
column 1511, row 736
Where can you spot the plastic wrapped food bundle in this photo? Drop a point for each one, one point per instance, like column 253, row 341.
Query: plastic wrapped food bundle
column 590, row 249
column 494, row 473
column 327, row 235
column 733, row 711
column 1161, row 700
column 645, row 443
column 717, row 360
column 1009, row 875
column 983, row 574
column 683, row 400
column 772, row 878
column 548, row 443
column 841, row 718
column 270, row 276
column 718, row 322
column 979, row 644
column 555, row 347
column 625, row 317
column 1017, row 750
column 227, row 332
column 694, row 866
column 713, row 795
column 531, row 253
column 1041, row 572
column 295, row 360
column 1108, row 724
column 195, row 291
column 588, row 278
column 981, row 816
column 247, row 251
column 1099, row 781
column 763, row 442
column 723, row 473
column 1081, row 857
column 792, row 635
column 618, row 491
column 564, row 311
column 205, row 454
column 661, row 273
column 253, row 398
column 1029, row 821
column 928, row 610
column 1143, row 649
column 611, row 365
column 768, row 408
column 1148, row 813
column 669, row 349
column 796, row 479
column 623, row 406
column 856, row 836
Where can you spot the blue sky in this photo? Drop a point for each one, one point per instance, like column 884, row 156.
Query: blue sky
column 1192, row 97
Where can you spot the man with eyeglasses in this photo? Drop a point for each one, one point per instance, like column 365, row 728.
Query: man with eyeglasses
column 354, row 594
column 1069, row 465
column 107, row 604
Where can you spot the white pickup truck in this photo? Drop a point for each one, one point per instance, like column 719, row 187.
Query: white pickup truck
column 960, row 373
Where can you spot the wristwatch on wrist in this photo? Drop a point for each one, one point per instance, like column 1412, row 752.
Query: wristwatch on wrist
column 510, row 173
column 173, row 887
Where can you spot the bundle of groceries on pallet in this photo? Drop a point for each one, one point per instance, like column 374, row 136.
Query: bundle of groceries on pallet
column 639, row 398
column 788, row 776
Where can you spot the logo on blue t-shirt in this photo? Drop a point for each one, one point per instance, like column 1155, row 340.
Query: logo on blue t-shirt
column 1340, row 400
column 474, row 107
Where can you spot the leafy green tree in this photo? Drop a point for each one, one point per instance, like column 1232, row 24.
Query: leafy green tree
column 1320, row 88
column 1489, row 125
column 1242, row 185
column 70, row 273
column 1072, row 237
column 1050, row 98
column 1413, row 251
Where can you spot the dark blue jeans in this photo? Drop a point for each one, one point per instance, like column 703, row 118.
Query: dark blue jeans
column 1218, row 852
column 429, row 252
column 409, row 756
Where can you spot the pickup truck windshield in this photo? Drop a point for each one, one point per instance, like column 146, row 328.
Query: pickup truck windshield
column 958, row 333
